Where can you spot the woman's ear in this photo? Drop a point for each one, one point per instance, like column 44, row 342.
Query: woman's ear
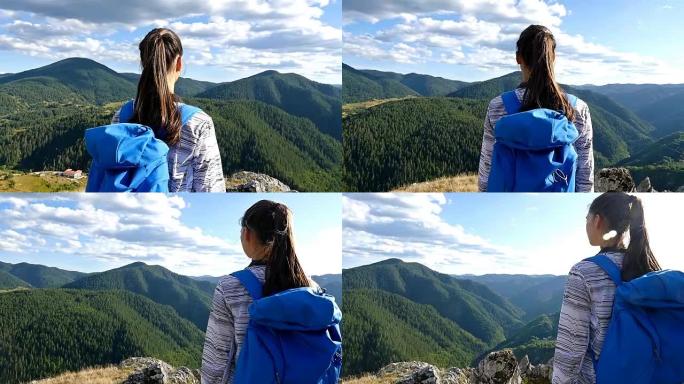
column 179, row 63
column 517, row 58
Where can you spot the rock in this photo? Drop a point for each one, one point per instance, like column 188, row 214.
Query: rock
column 680, row 189
column 645, row 185
column 499, row 367
column 524, row 365
column 402, row 369
column 245, row 181
column 614, row 180
column 426, row 375
column 154, row 371
column 459, row 376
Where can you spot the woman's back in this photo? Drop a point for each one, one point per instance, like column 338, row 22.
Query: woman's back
column 584, row 318
column 584, row 180
column 195, row 160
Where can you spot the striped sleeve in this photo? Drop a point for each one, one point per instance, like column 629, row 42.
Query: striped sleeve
column 584, row 179
column 207, row 169
column 219, row 341
column 573, row 330
column 487, row 145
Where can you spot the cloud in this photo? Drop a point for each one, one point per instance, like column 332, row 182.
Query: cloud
column 410, row 227
column 241, row 37
column 482, row 35
column 112, row 229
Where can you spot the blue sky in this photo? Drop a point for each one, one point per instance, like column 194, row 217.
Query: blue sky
column 223, row 40
column 599, row 42
column 468, row 233
column 188, row 234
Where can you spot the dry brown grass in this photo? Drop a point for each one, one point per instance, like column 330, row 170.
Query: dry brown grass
column 354, row 108
column 460, row 183
column 104, row 375
column 370, row 379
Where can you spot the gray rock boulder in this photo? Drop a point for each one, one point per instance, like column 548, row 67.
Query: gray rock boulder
column 245, row 181
column 614, row 180
column 645, row 186
column 500, row 367
column 153, row 371
column 426, row 375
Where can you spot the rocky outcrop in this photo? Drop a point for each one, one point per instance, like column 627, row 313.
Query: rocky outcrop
column 153, row 371
column 499, row 367
column 245, row 181
column 614, row 180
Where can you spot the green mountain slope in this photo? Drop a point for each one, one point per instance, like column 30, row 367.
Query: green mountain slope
column 185, row 87
column 666, row 114
column 537, row 339
column 9, row 281
column 40, row 276
column 424, row 85
column 258, row 137
column 470, row 305
column 662, row 162
column 293, row 93
column 535, row 295
column 190, row 298
column 46, row 332
column 87, row 78
column 358, row 86
column 412, row 140
column 381, row 327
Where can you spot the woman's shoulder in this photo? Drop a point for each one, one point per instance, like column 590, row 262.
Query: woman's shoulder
column 579, row 105
column 590, row 270
column 193, row 115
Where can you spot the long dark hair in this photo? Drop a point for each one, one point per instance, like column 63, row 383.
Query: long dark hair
column 272, row 223
column 537, row 48
column 621, row 212
column 155, row 104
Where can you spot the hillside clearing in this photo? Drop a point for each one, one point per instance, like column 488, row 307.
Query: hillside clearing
column 11, row 181
column 354, row 108
column 460, row 183
column 102, row 375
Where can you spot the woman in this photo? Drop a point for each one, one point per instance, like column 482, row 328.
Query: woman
column 268, row 240
column 536, row 57
column 194, row 158
column 614, row 218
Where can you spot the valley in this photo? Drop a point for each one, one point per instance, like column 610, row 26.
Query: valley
column 402, row 311
column 397, row 133
column 70, row 320
column 280, row 124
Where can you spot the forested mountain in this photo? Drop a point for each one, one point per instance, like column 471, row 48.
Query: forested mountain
column 290, row 92
column 398, row 142
column 535, row 294
column 662, row 161
column 411, row 140
column 9, row 281
column 365, row 84
column 537, row 339
column 45, row 111
column 65, row 330
column 87, row 78
column 471, row 305
column 40, row 276
column 400, row 311
column 190, row 298
column 381, row 327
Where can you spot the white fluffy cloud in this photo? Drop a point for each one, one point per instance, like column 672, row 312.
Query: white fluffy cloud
column 481, row 34
column 115, row 229
column 410, row 227
column 238, row 36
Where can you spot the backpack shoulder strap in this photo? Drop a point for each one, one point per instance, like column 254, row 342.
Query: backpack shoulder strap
column 187, row 111
column 126, row 111
column 572, row 99
column 608, row 266
column 511, row 102
column 250, row 282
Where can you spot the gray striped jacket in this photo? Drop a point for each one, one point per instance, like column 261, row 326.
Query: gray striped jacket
column 227, row 326
column 195, row 162
column 584, row 179
column 584, row 318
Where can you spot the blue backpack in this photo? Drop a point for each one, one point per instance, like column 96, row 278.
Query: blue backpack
column 533, row 151
column 127, row 157
column 293, row 337
column 645, row 339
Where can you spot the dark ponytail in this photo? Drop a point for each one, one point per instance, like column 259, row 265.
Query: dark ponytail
column 155, row 105
column 537, row 48
column 272, row 223
column 622, row 212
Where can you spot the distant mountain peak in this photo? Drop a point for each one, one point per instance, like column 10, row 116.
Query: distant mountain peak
column 270, row 72
column 392, row 260
column 135, row 265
